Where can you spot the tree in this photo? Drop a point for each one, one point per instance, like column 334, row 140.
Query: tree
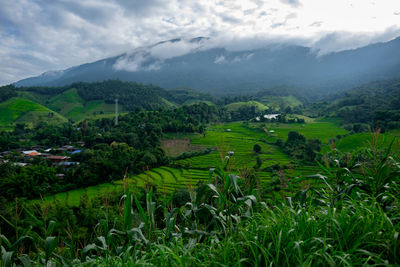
column 257, row 148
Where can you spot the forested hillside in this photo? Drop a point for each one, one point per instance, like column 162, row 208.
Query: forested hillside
column 370, row 106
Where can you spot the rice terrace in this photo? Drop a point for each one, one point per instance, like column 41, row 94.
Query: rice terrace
column 195, row 133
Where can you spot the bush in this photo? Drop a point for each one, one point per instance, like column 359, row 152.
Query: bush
column 257, row 148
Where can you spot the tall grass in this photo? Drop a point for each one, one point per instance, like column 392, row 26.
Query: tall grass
column 349, row 216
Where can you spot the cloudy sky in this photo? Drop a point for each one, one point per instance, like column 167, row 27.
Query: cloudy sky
column 42, row 35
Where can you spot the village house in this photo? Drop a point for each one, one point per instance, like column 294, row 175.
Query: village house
column 271, row 116
column 57, row 159
column 30, row 153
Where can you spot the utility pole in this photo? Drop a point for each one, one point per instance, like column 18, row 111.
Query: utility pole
column 116, row 111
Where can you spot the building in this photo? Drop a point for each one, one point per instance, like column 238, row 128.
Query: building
column 271, row 116
column 30, row 153
column 57, row 159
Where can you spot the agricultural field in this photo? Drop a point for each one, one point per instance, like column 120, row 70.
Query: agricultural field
column 353, row 142
column 176, row 147
column 239, row 138
column 19, row 110
column 322, row 129
column 165, row 179
column 72, row 106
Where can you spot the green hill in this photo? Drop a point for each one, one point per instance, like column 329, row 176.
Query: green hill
column 72, row 106
column 19, row 110
column 237, row 105
column 276, row 102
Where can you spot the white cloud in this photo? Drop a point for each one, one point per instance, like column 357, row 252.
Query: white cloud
column 220, row 59
column 173, row 49
column 41, row 35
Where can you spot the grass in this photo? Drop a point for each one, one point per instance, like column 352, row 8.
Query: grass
column 25, row 111
column 355, row 141
column 72, row 106
column 72, row 197
column 237, row 105
column 322, row 129
column 275, row 102
column 240, row 139
column 166, row 179
column 223, row 226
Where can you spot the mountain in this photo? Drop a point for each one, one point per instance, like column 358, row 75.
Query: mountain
column 198, row 65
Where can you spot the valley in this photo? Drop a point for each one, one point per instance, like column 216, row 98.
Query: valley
column 180, row 153
column 199, row 133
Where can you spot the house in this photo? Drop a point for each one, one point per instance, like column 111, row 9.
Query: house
column 65, row 149
column 69, row 148
column 57, row 159
column 6, row 153
column 80, row 143
column 30, row 153
column 76, row 151
column 44, row 155
column 21, row 164
column 271, row 116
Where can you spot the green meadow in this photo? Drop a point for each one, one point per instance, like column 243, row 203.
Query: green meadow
column 18, row 110
column 239, row 138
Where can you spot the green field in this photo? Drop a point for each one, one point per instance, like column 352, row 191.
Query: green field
column 237, row 105
column 276, row 102
column 165, row 179
column 19, row 110
column 355, row 141
column 322, row 129
column 72, row 106
column 240, row 138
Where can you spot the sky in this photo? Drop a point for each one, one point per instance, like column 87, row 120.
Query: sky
column 43, row 35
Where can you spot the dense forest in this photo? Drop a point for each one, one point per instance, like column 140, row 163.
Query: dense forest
column 374, row 105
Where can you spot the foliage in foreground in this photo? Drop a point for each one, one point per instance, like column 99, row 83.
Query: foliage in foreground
column 350, row 216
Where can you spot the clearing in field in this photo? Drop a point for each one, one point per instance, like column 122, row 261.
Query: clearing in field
column 176, row 147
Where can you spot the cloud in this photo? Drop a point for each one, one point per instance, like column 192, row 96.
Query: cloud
column 242, row 57
column 178, row 48
column 138, row 61
column 153, row 57
column 220, row 59
column 41, row 35
column 294, row 3
column 316, row 24
column 338, row 41
column 279, row 24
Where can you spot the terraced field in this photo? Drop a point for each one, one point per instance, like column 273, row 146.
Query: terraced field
column 237, row 137
column 165, row 179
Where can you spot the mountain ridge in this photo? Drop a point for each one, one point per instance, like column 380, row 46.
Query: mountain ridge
column 181, row 63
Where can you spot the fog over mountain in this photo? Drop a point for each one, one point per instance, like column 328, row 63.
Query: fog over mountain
column 200, row 64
